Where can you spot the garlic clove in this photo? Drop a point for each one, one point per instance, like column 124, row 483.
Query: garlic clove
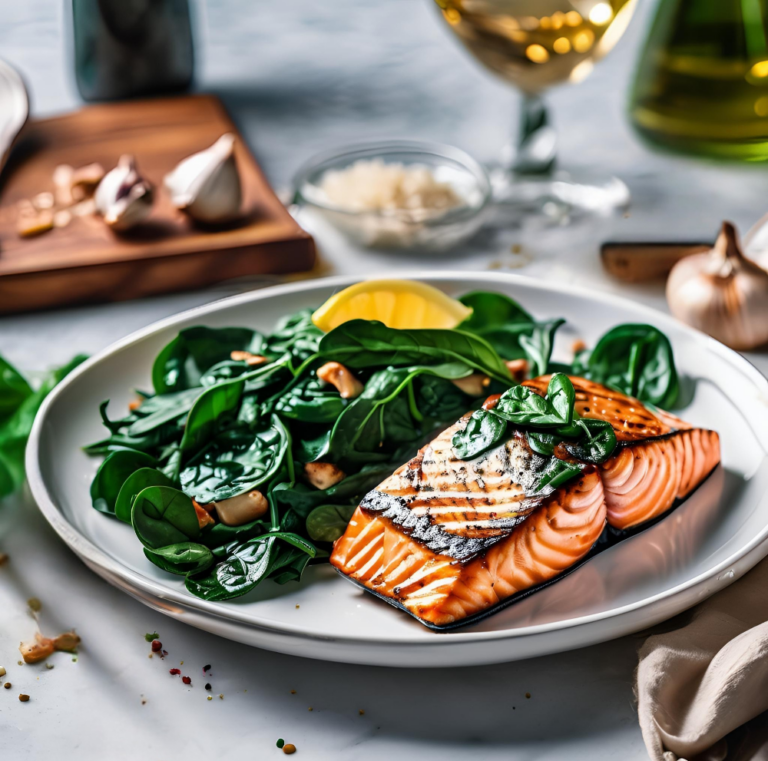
column 722, row 293
column 207, row 184
column 123, row 197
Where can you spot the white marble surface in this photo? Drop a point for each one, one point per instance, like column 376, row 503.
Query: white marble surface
column 300, row 77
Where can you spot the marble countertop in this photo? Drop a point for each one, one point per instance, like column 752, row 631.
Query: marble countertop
column 300, row 77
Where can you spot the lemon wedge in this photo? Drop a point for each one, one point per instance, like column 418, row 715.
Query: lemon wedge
column 397, row 303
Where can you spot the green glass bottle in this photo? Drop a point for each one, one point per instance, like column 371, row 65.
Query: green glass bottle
column 702, row 81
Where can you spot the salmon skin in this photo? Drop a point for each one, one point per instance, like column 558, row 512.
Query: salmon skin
column 451, row 541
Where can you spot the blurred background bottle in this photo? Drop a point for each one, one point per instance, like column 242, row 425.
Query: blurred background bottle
column 702, row 80
column 129, row 48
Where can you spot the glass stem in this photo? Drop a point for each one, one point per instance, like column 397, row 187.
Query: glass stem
column 537, row 140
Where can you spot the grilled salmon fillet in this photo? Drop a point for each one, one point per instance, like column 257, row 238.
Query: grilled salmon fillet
column 449, row 540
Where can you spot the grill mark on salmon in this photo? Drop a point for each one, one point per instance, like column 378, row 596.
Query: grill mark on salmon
column 449, row 541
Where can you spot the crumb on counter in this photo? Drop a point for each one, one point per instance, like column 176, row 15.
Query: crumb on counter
column 24, row 698
column 289, row 748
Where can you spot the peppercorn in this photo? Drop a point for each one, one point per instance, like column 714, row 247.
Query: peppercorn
column 7, row 685
column 23, row 698
column 208, row 686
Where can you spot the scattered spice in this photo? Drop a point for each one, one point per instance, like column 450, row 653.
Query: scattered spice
column 206, row 668
column 24, row 698
column 49, row 666
column 74, row 659
column 527, row 694
column 361, row 712
column 289, row 748
column 3, row 558
column 297, row 607
column 7, row 685
column 221, row 696
column 143, row 701
column 210, row 697
column 151, row 637
column 157, row 645
column 293, row 692
column 20, row 663
column 208, row 686
column 181, row 663
column 35, row 604
column 149, row 655
column 280, row 743
column 310, row 709
column 165, row 652
column 186, row 679
column 174, row 672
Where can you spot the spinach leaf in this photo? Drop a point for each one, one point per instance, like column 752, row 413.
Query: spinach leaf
column 250, row 563
column 220, row 535
column 212, row 410
column 15, row 429
column 483, row 431
column 635, row 359
column 542, row 443
column 328, row 522
column 385, row 416
column 113, row 473
column 557, row 473
column 14, row 389
column 236, row 461
column 597, row 444
column 162, row 515
column 296, row 335
column 181, row 363
column 303, row 499
column 135, row 483
column 159, row 410
column 523, row 406
column 311, row 401
column 182, row 559
column 361, row 343
column 538, row 345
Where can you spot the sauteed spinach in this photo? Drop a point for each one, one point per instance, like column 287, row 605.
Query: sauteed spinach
column 235, row 415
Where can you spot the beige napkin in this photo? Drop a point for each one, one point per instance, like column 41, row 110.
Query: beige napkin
column 702, row 688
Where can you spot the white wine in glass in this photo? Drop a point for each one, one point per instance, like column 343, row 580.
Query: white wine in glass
column 534, row 44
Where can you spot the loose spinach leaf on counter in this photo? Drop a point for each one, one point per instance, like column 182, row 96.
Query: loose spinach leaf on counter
column 14, row 389
column 16, row 426
column 636, row 360
column 181, row 363
column 162, row 516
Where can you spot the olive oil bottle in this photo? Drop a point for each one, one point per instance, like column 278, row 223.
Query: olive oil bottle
column 702, row 81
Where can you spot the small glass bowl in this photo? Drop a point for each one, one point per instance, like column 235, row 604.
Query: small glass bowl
column 403, row 229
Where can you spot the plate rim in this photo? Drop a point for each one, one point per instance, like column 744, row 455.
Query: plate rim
column 92, row 554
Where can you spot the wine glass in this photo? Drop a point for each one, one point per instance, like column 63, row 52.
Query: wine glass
column 535, row 44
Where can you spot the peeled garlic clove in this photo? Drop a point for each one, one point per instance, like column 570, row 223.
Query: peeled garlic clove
column 124, row 198
column 207, row 184
column 722, row 293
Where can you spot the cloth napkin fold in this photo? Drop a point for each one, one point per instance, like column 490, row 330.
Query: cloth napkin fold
column 702, row 688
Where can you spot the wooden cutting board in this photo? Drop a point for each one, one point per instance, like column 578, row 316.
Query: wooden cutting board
column 86, row 261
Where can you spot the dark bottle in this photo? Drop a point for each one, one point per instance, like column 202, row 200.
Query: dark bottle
column 128, row 48
column 702, row 81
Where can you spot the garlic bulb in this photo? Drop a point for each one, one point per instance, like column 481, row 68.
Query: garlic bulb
column 722, row 293
column 124, row 198
column 207, row 184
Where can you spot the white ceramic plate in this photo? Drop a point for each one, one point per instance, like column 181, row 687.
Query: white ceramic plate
column 712, row 539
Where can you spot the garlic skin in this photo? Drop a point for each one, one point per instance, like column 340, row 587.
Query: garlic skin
column 207, row 185
column 124, row 198
column 722, row 293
